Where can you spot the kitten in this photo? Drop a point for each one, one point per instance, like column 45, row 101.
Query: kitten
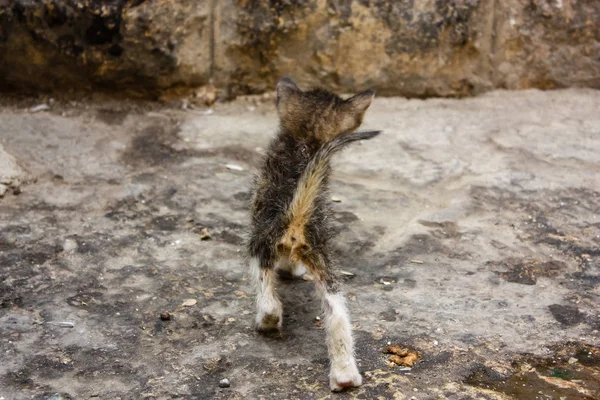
column 291, row 214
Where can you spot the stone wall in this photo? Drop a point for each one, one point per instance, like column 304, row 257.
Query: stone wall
column 403, row 47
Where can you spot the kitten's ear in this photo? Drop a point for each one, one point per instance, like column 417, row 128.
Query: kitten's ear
column 286, row 88
column 360, row 102
column 354, row 110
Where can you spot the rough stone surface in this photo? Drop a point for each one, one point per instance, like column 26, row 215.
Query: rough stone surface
column 547, row 44
column 395, row 47
column 117, row 45
column 11, row 174
column 410, row 48
column 481, row 215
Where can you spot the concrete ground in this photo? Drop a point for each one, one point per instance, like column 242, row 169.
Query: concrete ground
column 469, row 232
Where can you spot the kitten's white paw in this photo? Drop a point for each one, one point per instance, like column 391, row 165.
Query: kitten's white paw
column 343, row 375
column 267, row 322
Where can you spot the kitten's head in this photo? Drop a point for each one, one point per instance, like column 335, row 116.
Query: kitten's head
column 317, row 113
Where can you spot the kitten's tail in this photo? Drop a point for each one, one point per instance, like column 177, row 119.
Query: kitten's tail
column 309, row 186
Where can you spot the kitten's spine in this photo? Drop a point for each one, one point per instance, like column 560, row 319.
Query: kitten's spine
column 310, row 185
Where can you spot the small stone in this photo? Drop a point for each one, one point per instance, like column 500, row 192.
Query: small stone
column 69, row 245
column 38, row 108
column 573, row 360
column 234, row 167
column 57, row 396
column 206, row 95
column 165, row 316
column 224, row 383
column 189, row 302
column 205, row 235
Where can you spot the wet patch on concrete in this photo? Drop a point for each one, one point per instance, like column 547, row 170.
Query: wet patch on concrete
column 572, row 372
column 345, row 217
column 443, row 230
column 561, row 222
column 153, row 146
column 567, row 315
column 419, row 245
column 165, row 223
column 539, row 214
column 6, row 245
column 526, row 272
column 21, row 381
column 128, row 208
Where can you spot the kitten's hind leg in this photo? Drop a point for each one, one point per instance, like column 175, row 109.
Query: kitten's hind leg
column 269, row 311
column 343, row 372
column 340, row 344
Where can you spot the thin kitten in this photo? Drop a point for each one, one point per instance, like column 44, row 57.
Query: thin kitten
column 290, row 212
